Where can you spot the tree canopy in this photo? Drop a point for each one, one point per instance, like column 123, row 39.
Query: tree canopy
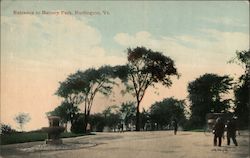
column 112, row 116
column 82, row 87
column 205, row 95
column 165, row 111
column 241, row 91
column 66, row 111
column 146, row 68
column 128, row 112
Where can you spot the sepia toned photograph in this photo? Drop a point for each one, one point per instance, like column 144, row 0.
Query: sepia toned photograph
column 125, row 79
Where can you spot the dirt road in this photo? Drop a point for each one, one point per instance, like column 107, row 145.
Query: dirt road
column 158, row 144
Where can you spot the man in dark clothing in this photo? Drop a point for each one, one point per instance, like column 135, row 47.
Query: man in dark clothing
column 231, row 131
column 218, row 131
column 175, row 125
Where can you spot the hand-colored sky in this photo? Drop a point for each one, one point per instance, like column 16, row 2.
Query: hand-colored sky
column 38, row 51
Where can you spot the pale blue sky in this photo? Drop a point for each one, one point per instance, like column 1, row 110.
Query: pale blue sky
column 38, row 51
column 169, row 18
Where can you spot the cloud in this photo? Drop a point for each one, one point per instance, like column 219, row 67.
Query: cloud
column 226, row 42
column 125, row 39
column 49, row 32
column 225, row 21
column 193, row 56
column 37, row 53
column 53, row 40
column 213, row 46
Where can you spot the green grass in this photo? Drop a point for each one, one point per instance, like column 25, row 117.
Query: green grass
column 30, row 137
column 195, row 130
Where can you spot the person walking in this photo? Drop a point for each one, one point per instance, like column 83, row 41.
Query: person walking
column 218, row 131
column 231, row 131
column 175, row 125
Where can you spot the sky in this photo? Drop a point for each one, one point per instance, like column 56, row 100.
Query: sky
column 42, row 42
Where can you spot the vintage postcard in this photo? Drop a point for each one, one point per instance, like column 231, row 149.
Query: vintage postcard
column 124, row 79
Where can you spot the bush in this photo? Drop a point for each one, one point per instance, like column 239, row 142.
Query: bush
column 78, row 125
column 22, row 137
column 30, row 137
column 97, row 122
column 6, row 129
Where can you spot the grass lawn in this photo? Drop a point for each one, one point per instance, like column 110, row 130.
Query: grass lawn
column 30, row 137
column 197, row 130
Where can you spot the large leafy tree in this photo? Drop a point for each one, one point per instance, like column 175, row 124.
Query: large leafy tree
column 146, row 68
column 241, row 91
column 165, row 111
column 205, row 95
column 83, row 86
column 66, row 111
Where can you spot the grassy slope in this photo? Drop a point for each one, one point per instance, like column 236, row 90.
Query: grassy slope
column 29, row 137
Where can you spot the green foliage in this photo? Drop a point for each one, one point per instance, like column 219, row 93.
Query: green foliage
column 82, row 87
column 165, row 111
column 242, row 58
column 88, row 82
column 128, row 112
column 147, row 62
column 112, row 116
column 145, row 117
column 112, row 120
column 6, row 129
column 205, row 95
column 122, row 72
column 21, row 119
column 97, row 122
column 109, row 117
column 30, row 137
column 77, row 125
column 23, row 137
column 241, row 91
column 66, row 111
column 242, row 104
column 146, row 68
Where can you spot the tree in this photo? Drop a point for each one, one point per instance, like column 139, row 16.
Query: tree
column 82, row 87
column 241, row 90
column 66, row 111
column 146, row 68
column 112, row 116
column 205, row 95
column 165, row 111
column 128, row 112
column 21, row 119
column 6, row 129
column 97, row 122
column 145, row 117
column 77, row 124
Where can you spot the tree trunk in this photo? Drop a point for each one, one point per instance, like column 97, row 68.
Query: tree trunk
column 85, row 124
column 137, row 124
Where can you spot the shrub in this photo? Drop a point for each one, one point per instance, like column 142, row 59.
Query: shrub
column 78, row 125
column 6, row 129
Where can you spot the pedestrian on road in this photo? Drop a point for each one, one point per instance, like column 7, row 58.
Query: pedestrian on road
column 218, row 131
column 175, row 125
column 120, row 126
column 231, row 131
